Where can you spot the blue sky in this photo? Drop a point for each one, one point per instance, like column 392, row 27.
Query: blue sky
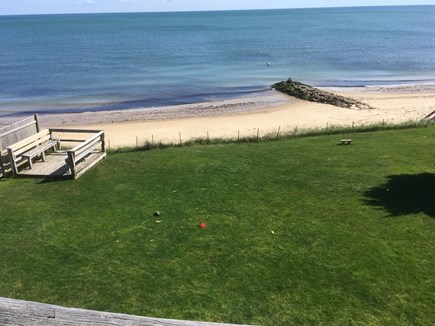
column 13, row 7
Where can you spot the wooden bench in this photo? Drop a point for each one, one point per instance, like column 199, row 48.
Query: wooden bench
column 346, row 141
column 12, row 134
column 82, row 151
column 31, row 147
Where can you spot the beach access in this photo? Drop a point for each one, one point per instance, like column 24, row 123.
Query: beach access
column 254, row 115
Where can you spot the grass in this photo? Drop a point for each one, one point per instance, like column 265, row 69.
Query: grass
column 299, row 231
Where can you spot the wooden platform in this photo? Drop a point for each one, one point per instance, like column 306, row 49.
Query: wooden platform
column 55, row 166
column 18, row 312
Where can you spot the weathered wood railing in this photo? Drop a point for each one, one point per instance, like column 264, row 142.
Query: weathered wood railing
column 94, row 145
column 17, row 312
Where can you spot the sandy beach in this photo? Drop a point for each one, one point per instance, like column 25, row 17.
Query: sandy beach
column 259, row 113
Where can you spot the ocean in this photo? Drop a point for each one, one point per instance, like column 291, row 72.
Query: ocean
column 90, row 62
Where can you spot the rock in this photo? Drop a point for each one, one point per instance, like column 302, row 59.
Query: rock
column 312, row 94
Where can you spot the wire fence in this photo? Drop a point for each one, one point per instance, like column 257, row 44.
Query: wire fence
column 256, row 135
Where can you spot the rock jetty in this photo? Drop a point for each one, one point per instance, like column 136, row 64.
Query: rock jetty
column 312, row 94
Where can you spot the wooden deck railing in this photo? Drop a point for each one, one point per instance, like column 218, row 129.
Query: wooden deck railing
column 94, row 145
column 17, row 312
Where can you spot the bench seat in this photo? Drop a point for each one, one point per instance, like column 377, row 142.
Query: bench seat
column 40, row 150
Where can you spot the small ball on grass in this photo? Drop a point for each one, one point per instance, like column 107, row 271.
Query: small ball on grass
column 156, row 213
column 202, row 225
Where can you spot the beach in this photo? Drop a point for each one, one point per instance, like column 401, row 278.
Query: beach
column 161, row 76
column 251, row 115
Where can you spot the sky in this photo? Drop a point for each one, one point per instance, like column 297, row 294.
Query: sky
column 21, row 7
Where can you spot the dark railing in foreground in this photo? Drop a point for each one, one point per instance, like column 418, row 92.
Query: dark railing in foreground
column 18, row 312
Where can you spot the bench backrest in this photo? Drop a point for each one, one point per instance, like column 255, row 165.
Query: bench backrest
column 14, row 133
column 76, row 154
column 17, row 131
column 30, row 142
column 87, row 146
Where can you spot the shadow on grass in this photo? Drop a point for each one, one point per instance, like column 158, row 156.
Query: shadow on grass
column 405, row 194
column 54, row 180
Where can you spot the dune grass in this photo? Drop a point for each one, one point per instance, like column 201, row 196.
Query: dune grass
column 298, row 231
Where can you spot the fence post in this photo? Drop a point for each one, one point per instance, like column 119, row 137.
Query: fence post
column 38, row 129
column 258, row 133
column 277, row 134
column 179, row 134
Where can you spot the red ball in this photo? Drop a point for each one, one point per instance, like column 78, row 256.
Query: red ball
column 202, row 225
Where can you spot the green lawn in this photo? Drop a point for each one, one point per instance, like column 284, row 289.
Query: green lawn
column 299, row 231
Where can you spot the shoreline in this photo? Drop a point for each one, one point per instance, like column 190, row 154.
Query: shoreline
column 239, row 105
column 233, row 105
column 249, row 115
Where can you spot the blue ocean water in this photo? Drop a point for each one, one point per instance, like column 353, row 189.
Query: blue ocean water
column 115, row 61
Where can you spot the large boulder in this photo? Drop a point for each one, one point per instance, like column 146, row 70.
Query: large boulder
column 312, row 94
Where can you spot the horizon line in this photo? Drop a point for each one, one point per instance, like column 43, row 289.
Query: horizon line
column 212, row 10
